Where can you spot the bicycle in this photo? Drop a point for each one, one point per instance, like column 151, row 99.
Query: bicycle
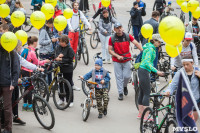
column 130, row 27
column 94, row 38
column 88, row 103
column 82, row 47
column 58, row 85
column 68, row 5
column 41, row 108
column 27, row 26
column 166, row 14
column 149, row 120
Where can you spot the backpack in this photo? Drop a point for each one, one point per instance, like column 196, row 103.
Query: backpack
column 113, row 37
column 24, row 53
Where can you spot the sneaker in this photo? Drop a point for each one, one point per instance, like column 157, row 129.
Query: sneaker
column 18, row 120
column 24, row 107
column 71, row 104
column 104, row 61
column 125, row 91
column 60, row 102
column 76, row 88
column 158, row 83
column 30, row 108
column 139, row 116
column 120, row 97
column 100, row 116
column 105, row 111
column 109, row 61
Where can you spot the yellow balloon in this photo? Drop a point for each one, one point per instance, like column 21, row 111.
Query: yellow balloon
column 48, row 11
column 22, row 36
column 192, row 5
column 9, row 41
column 105, row 3
column 52, row 2
column 196, row 13
column 173, row 51
column 17, row 18
column 179, row 2
column 68, row 13
column 2, row 1
column 4, row 10
column 60, row 23
column 147, row 30
column 37, row 19
column 184, row 7
column 172, row 30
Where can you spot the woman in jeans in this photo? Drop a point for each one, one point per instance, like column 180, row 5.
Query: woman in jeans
column 105, row 27
column 146, row 67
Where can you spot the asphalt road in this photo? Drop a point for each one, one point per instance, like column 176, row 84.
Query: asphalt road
column 121, row 116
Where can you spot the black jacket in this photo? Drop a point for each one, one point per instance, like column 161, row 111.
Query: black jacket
column 100, row 12
column 5, row 68
column 67, row 60
column 136, row 16
column 159, row 4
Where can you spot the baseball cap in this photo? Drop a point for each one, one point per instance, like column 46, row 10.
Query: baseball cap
column 188, row 36
column 117, row 25
column 157, row 37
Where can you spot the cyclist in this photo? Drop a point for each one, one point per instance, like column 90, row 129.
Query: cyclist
column 73, row 24
column 194, row 28
column 30, row 55
column 167, row 10
column 119, row 47
column 193, row 74
column 189, row 49
column 58, row 11
column 11, row 4
column 160, row 5
column 65, row 54
column 146, row 66
column 105, row 26
column 9, row 71
column 101, row 76
column 61, row 4
column 20, row 7
column 37, row 4
column 84, row 5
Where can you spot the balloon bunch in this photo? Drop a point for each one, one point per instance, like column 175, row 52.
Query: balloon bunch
column 37, row 18
column 191, row 5
column 172, row 31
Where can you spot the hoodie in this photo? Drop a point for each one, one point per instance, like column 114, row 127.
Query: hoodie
column 148, row 56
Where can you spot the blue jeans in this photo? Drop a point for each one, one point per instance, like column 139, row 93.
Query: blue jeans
column 136, row 31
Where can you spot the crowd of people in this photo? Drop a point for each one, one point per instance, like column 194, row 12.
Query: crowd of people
column 115, row 48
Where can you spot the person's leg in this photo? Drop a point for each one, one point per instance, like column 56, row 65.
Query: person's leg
column 7, row 98
column 126, row 72
column 119, row 77
column 15, row 95
column 72, row 40
column 69, row 77
column 98, row 94
column 106, row 46
column 136, row 32
column 105, row 100
column 76, row 38
column 103, row 46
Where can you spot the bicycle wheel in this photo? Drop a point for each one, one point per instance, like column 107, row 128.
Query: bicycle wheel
column 85, row 53
column 94, row 39
column 170, row 126
column 75, row 62
column 113, row 13
column 109, row 86
column 27, row 26
column 86, row 110
column 41, row 88
column 148, row 121
column 129, row 27
column 43, row 112
column 137, row 92
column 135, row 81
column 84, row 88
column 78, row 53
column 59, row 93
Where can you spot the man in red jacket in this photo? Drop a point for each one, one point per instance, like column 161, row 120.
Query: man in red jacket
column 57, row 11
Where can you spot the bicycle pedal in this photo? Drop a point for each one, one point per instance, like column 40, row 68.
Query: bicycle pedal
column 82, row 105
column 94, row 106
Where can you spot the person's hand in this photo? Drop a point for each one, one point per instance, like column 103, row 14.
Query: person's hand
column 81, row 77
column 160, row 73
column 19, row 81
column 167, row 94
column 102, row 81
column 12, row 88
column 120, row 58
column 90, row 28
column 197, row 73
column 106, row 32
column 173, row 68
column 40, row 69
column 54, row 40
column 199, row 35
column 47, row 61
column 72, row 30
column 60, row 55
column 36, row 4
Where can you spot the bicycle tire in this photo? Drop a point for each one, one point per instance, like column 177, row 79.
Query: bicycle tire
column 41, row 88
column 87, row 107
column 137, row 92
column 85, row 53
column 78, row 53
column 66, row 82
column 129, row 26
column 84, row 88
column 109, row 86
column 135, row 81
column 37, row 112
column 94, row 40
column 171, row 122
column 113, row 13
column 75, row 62
column 27, row 24
column 151, row 124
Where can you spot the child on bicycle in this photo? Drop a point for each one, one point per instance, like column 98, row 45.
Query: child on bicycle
column 30, row 55
column 101, row 76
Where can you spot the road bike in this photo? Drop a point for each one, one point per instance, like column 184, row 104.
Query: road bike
column 42, row 110
column 94, row 38
column 58, row 85
column 149, row 121
column 89, row 101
